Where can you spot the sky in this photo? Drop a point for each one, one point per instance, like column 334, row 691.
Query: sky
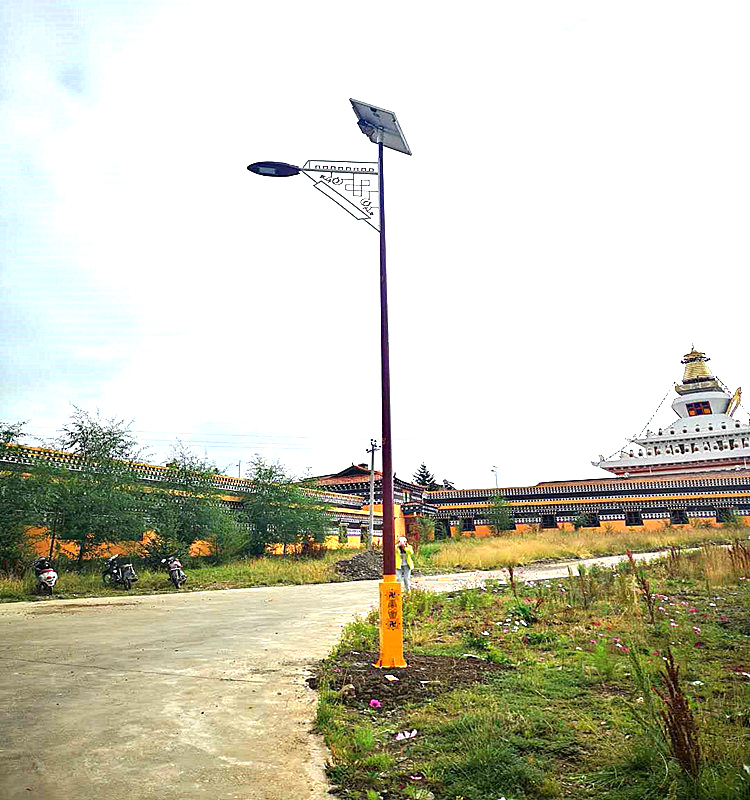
column 572, row 221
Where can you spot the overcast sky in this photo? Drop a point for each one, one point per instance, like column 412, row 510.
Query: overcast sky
column 573, row 219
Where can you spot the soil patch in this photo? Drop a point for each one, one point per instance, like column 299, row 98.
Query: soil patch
column 365, row 566
column 358, row 682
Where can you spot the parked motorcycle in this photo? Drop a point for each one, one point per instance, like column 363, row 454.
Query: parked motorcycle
column 174, row 567
column 46, row 577
column 118, row 573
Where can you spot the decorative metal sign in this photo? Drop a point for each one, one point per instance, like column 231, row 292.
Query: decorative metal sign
column 351, row 184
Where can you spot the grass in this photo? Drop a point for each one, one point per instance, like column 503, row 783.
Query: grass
column 520, row 549
column 434, row 557
column 589, row 704
column 267, row 571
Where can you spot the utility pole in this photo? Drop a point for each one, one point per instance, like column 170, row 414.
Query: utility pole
column 239, row 469
column 371, row 525
column 494, row 469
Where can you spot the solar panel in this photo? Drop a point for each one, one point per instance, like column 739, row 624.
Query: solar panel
column 380, row 125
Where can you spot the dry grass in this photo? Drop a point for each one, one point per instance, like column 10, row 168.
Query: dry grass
column 517, row 549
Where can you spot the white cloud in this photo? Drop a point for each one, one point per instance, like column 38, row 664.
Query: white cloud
column 571, row 221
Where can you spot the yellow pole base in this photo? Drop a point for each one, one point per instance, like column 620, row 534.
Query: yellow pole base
column 391, row 624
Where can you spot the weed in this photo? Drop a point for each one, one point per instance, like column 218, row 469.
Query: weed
column 603, row 662
column 679, row 723
column 512, row 581
column 739, row 555
column 640, row 576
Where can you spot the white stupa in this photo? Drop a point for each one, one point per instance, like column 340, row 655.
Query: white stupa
column 704, row 438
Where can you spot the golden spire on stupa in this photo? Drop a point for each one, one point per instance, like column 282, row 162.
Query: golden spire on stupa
column 695, row 367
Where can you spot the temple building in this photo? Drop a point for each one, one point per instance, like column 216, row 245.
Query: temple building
column 703, row 438
column 695, row 470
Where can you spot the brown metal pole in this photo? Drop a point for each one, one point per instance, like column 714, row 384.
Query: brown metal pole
column 389, row 541
column 391, row 615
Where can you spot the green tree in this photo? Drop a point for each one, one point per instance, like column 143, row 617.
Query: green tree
column 21, row 506
column 423, row 477
column 94, row 438
column 11, row 432
column 277, row 510
column 185, row 505
column 101, row 500
column 500, row 516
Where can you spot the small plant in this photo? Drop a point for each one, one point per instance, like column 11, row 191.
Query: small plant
column 739, row 555
column 473, row 641
column 512, row 580
column 526, row 613
column 644, row 586
column 679, row 724
column 585, row 591
column 674, row 560
column 603, row 662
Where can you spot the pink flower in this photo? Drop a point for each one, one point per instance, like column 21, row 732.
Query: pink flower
column 656, row 652
column 616, row 640
column 696, row 629
column 596, row 623
column 375, row 703
column 699, row 644
column 625, row 649
column 692, row 611
column 672, row 624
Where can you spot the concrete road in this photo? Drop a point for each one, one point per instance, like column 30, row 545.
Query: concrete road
column 192, row 695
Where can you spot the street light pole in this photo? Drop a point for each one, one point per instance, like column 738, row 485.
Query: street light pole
column 382, row 128
column 391, row 614
column 371, row 521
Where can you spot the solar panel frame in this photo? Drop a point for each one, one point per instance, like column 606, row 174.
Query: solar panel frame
column 380, row 125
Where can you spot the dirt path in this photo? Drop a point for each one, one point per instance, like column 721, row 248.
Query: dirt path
column 195, row 696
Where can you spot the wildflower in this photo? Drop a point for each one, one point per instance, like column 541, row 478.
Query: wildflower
column 616, row 640
column 375, row 703
column 661, row 608
column 696, row 629
column 699, row 644
column 692, row 611
column 713, row 605
column 579, row 648
column 696, row 683
column 638, row 699
column 592, row 641
column 596, row 623
column 625, row 649
column 485, row 633
column 723, row 619
column 672, row 623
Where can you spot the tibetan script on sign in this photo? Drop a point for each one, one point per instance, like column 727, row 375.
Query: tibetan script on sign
column 351, row 184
